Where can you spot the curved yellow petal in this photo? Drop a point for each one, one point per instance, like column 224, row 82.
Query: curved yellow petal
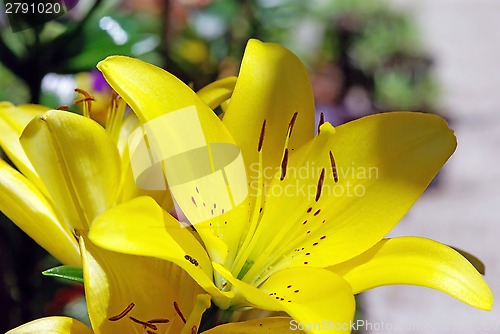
column 130, row 123
column 113, row 281
column 52, row 325
column 13, row 120
column 131, row 190
column 217, row 92
column 185, row 139
column 153, row 92
column 77, row 161
column 347, row 188
column 312, row 296
column 272, row 85
column 275, row 325
column 25, row 205
column 417, row 261
column 141, row 227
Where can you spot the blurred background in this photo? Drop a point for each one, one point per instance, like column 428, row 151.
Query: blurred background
column 364, row 56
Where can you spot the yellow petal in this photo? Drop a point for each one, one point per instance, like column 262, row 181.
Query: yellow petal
column 378, row 181
column 153, row 92
column 185, row 138
column 130, row 189
column 275, row 325
column 77, row 161
column 417, row 261
column 113, row 281
column 52, row 325
column 130, row 123
column 272, row 85
column 13, row 120
column 309, row 295
column 217, row 92
column 141, row 227
column 23, row 203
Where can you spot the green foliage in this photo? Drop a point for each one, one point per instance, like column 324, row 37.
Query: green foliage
column 73, row 274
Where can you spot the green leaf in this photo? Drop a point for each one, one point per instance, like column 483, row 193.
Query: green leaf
column 70, row 273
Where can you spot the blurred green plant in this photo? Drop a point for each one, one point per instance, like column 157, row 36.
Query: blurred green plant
column 69, row 45
column 375, row 47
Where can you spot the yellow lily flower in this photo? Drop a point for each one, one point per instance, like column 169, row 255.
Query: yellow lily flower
column 130, row 294
column 73, row 174
column 309, row 234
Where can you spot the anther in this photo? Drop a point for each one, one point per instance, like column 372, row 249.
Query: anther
column 191, row 259
column 144, row 323
column 292, row 122
column 84, row 99
column 123, row 313
column 158, row 321
column 320, row 184
column 64, row 107
column 321, row 121
column 178, row 310
column 83, row 92
column 284, row 163
column 261, row 138
column 334, row 168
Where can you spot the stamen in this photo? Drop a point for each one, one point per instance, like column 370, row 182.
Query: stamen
column 64, row 107
column 158, row 321
column 144, row 323
column 191, row 259
column 83, row 92
column 284, row 163
column 84, row 99
column 194, row 330
column 292, row 122
column 114, row 116
column 320, row 184
column 334, row 168
column 123, row 313
column 284, row 160
column 261, row 138
column 87, row 106
column 321, row 121
column 178, row 310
